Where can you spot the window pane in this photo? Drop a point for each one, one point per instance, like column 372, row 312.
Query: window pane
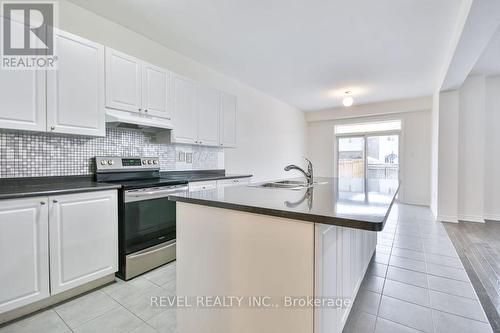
column 368, row 127
column 382, row 156
column 351, row 157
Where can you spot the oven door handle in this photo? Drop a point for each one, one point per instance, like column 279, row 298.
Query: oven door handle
column 144, row 195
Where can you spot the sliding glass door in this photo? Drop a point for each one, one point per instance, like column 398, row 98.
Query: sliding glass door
column 368, row 156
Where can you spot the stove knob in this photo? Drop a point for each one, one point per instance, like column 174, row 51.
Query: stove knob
column 150, row 162
column 111, row 162
column 144, row 162
column 103, row 162
column 155, row 162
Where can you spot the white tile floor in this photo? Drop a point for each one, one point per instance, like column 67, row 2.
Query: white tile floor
column 415, row 283
column 120, row 307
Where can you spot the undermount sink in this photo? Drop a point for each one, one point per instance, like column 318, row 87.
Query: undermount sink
column 287, row 184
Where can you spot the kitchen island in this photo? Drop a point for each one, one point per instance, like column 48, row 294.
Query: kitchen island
column 273, row 259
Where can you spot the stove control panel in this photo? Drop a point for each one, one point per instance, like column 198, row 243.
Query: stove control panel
column 113, row 163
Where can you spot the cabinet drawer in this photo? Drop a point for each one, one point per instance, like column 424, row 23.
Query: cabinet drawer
column 233, row 182
column 203, row 185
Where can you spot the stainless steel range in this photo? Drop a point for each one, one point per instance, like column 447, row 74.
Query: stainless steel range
column 146, row 216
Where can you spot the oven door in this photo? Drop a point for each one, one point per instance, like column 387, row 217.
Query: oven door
column 149, row 217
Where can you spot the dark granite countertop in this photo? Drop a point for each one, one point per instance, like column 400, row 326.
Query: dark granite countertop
column 201, row 175
column 39, row 186
column 355, row 203
column 43, row 186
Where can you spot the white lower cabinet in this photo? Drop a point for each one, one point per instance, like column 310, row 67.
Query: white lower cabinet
column 83, row 238
column 342, row 257
column 83, row 233
column 24, row 252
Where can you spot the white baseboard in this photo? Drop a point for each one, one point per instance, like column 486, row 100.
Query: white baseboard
column 492, row 217
column 471, row 218
column 447, row 218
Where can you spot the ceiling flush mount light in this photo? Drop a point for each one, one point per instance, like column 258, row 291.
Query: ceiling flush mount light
column 348, row 100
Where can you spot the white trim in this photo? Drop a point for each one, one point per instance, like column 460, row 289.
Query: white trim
column 447, row 218
column 471, row 218
column 492, row 217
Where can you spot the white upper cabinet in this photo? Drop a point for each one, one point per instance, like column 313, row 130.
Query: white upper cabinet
column 24, row 255
column 123, row 81
column 83, row 238
column 75, row 91
column 22, row 98
column 208, row 116
column 227, row 121
column 155, row 88
column 184, row 91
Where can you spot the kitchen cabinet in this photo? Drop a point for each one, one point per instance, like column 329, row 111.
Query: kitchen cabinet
column 211, row 123
column 83, row 238
column 208, row 106
column 233, row 182
column 24, row 272
column 23, row 96
column 184, row 91
column 67, row 100
column 23, row 100
column 202, row 185
column 136, row 86
column 227, row 121
column 75, row 91
column 123, row 81
column 155, row 91
column 342, row 258
column 68, row 240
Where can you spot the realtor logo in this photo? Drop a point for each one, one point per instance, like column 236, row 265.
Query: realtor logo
column 28, row 35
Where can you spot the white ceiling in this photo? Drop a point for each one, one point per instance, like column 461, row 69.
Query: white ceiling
column 489, row 61
column 304, row 52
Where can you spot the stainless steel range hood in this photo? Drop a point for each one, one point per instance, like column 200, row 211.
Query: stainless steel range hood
column 123, row 119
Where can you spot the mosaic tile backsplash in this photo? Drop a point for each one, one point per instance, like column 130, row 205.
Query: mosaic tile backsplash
column 27, row 154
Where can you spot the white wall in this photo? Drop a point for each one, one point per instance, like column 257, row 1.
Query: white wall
column 449, row 103
column 469, row 153
column 415, row 150
column 270, row 133
column 434, row 153
column 471, row 149
column 492, row 150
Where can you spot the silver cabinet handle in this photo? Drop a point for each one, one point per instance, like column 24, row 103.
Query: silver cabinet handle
column 42, row 203
column 54, row 201
column 139, row 109
column 52, row 128
column 146, row 110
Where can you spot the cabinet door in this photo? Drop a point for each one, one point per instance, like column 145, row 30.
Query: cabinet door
column 24, row 252
column 75, row 91
column 227, row 127
column 155, row 87
column 83, row 231
column 184, row 110
column 208, row 108
column 22, row 96
column 123, row 81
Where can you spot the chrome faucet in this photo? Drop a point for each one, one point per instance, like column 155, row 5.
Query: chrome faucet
column 308, row 174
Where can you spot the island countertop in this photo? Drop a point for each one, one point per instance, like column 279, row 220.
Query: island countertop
column 355, row 203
